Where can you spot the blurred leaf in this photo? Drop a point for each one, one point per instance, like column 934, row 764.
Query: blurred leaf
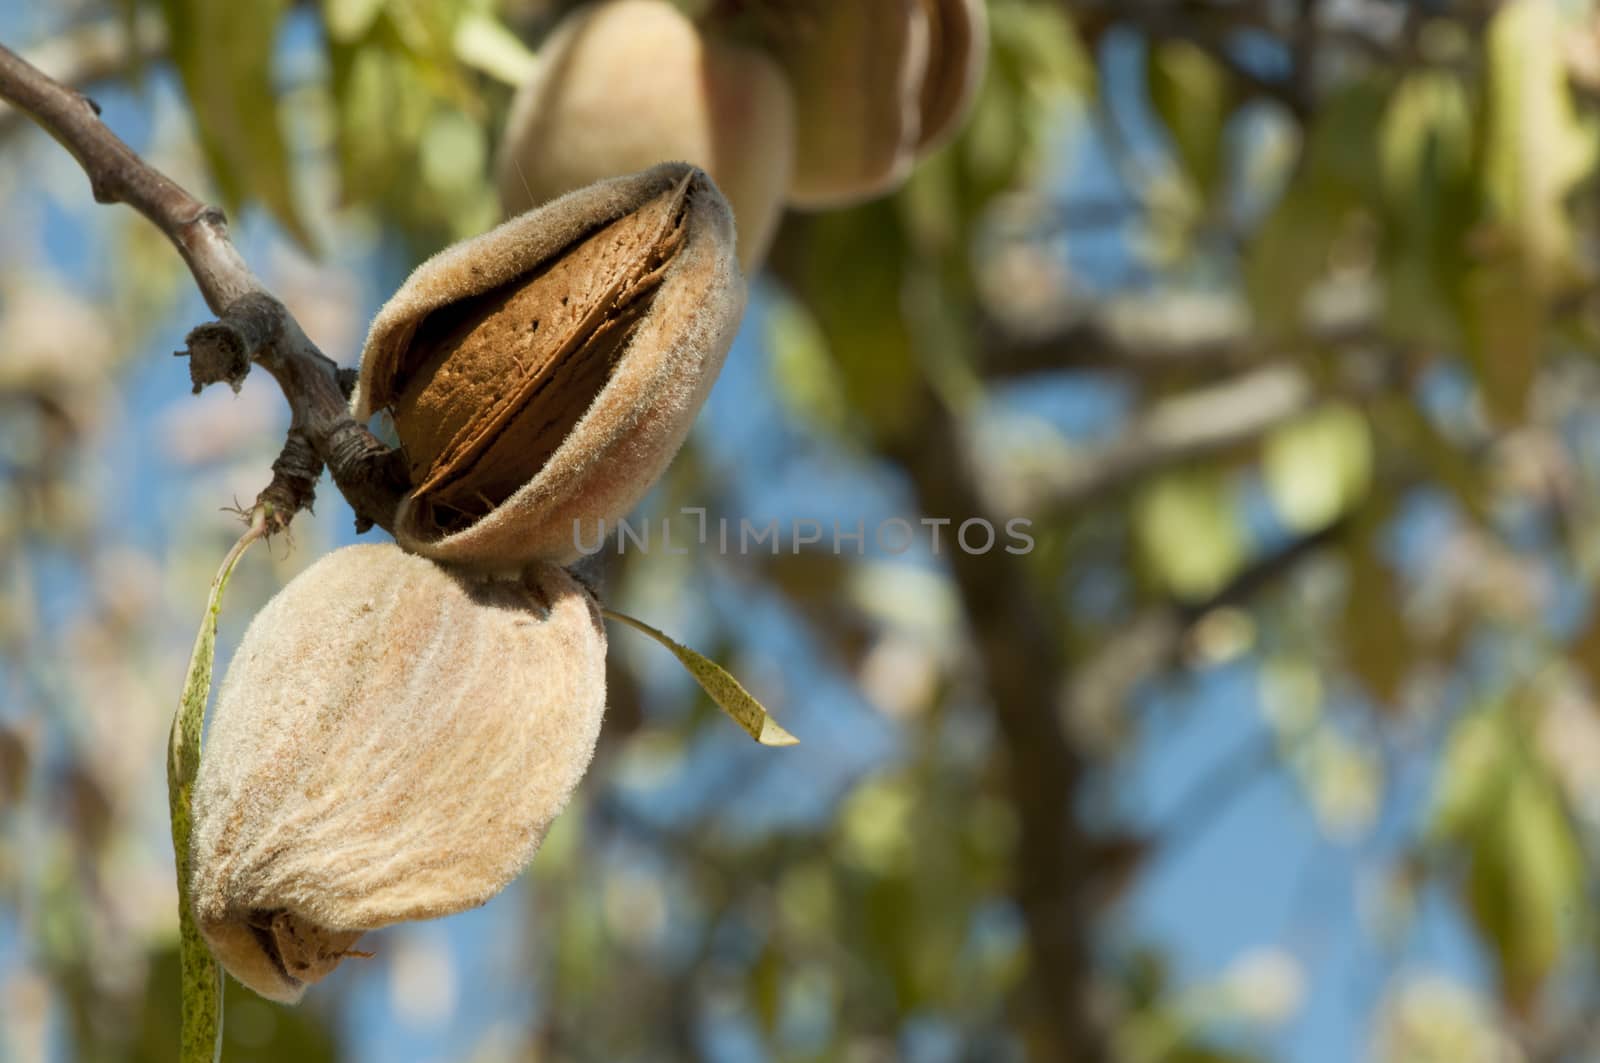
column 1189, row 533
column 484, row 43
column 804, row 374
column 348, row 20
column 580, row 945
column 852, row 277
column 454, row 153
column 1503, row 320
column 223, row 51
column 1429, row 1018
column 765, row 983
column 1430, row 179
column 1197, row 1053
column 724, row 689
column 1408, row 430
column 1537, row 148
column 875, row 825
column 1584, row 650
column 1472, row 771
column 1377, row 641
column 1037, row 68
column 425, row 31
column 1189, row 93
column 16, row 766
column 1525, row 886
column 1337, row 183
column 1343, row 780
column 1496, row 801
column 1319, row 467
column 404, row 103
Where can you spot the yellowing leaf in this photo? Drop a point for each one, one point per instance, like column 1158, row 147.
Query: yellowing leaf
column 724, row 689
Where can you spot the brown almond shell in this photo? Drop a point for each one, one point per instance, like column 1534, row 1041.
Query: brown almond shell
column 391, row 742
column 639, row 417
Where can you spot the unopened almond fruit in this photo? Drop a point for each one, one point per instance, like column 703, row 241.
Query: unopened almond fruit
column 626, row 84
column 391, row 742
column 856, row 70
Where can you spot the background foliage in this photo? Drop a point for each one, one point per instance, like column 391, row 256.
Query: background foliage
column 1276, row 318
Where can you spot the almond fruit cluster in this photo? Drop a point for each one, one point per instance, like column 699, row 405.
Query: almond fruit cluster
column 813, row 104
column 401, row 724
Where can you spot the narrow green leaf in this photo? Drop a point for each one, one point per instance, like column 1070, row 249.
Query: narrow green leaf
column 201, row 1035
column 724, row 689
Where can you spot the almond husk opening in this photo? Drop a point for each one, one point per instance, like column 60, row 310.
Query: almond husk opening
column 628, row 389
column 491, row 385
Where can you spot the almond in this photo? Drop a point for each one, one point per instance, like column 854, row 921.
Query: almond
column 626, row 84
column 391, row 742
column 542, row 375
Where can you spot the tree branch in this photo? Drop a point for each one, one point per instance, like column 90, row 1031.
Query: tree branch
column 252, row 325
column 1096, row 696
column 1192, row 425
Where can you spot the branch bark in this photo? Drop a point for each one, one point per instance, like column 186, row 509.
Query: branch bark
column 1189, row 426
column 252, row 326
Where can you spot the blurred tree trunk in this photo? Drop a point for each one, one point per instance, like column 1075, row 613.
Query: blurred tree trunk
column 1022, row 652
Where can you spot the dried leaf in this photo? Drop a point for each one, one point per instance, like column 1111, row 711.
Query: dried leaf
column 725, row 690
